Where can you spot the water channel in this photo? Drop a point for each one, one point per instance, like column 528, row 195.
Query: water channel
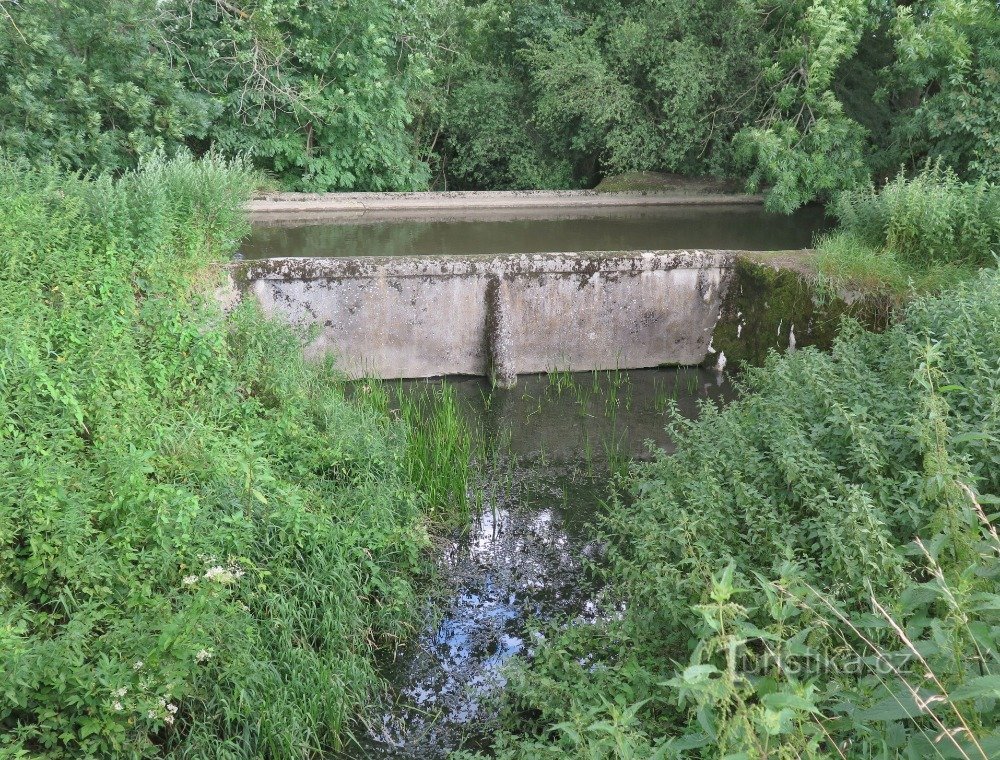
column 529, row 553
column 746, row 227
column 554, row 442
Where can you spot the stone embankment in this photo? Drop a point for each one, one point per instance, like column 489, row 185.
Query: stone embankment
column 295, row 206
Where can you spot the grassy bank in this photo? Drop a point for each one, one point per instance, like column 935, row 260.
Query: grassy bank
column 921, row 233
column 202, row 543
column 812, row 574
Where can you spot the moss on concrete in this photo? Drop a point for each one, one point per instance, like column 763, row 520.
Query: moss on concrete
column 660, row 182
column 768, row 302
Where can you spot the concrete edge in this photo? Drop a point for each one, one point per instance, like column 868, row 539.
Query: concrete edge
column 279, row 204
column 504, row 265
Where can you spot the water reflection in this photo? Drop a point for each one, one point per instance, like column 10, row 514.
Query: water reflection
column 616, row 229
column 526, row 555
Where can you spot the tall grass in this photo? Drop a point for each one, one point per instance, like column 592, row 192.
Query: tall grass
column 202, row 543
column 923, row 232
column 930, row 218
column 439, row 450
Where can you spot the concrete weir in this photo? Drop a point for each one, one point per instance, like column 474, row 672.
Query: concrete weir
column 408, row 317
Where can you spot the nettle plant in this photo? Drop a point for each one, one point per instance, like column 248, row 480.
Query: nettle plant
column 813, row 572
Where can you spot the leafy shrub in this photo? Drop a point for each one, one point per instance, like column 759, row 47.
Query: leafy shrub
column 86, row 84
column 491, row 141
column 201, row 541
column 948, row 53
column 777, row 601
column 544, row 93
column 931, row 218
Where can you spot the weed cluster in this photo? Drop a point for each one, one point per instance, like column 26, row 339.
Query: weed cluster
column 441, row 443
column 202, row 542
column 931, row 218
column 925, row 232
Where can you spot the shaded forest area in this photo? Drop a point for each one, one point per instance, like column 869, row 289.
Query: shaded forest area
column 802, row 99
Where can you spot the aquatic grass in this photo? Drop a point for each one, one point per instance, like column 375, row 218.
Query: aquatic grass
column 611, row 398
column 560, row 380
column 616, row 454
column 440, row 445
column 665, row 398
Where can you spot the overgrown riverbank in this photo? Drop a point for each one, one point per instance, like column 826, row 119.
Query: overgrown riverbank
column 202, row 543
column 812, row 574
column 916, row 234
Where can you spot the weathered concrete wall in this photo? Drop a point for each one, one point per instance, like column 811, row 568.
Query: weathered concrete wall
column 302, row 206
column 498, row 315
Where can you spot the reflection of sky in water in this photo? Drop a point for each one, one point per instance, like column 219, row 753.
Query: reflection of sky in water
column 514, row 563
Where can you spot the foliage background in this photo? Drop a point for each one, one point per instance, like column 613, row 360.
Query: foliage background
column 801, row 98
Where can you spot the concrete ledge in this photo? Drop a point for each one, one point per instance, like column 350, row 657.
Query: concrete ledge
column 291, row 269
column 297, row 205
column 498, row 315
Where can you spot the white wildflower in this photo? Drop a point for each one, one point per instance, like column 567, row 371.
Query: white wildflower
column 203, row 654
column 168, row 719
column 151, row 715
column 172, row 708
column 118, row 706
column 120, row 692
column 190, row 580
column 138, row 665
column 221, row 574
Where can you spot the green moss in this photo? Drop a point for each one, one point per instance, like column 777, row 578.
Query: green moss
column 765, row 304
column 634, row 182
column 660, row 182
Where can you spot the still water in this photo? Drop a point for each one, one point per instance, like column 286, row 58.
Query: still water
column 618, row 229
column 554, row 442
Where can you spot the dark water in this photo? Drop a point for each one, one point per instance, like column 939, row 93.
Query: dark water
column 741, row 227
column 554, row 441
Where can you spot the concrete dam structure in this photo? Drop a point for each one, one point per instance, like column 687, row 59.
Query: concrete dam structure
column 411, row 317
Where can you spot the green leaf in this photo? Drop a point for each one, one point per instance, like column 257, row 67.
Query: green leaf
column 899, row 705
column 782, row 699
column 977, row 688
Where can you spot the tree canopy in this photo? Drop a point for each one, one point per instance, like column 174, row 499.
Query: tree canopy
column 802, row 98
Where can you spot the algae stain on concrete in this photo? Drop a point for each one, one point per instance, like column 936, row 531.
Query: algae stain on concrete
column 775, row 306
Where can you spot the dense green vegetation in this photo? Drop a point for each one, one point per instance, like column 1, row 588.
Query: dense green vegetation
column 812, row 574
column 801, row 98
column 317, row 94
column 913, row 234
column 202, row 543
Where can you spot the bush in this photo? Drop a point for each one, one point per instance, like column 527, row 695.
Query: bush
column 201, row 541
column 930, row 219
column 776, row 601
